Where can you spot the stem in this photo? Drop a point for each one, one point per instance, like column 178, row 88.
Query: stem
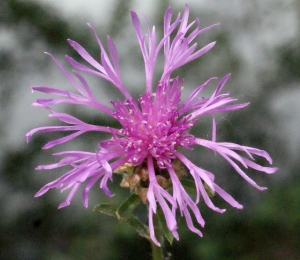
column 157, row 251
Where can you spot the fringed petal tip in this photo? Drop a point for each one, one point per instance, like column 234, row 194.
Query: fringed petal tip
column 169, row 9
column 32, row 88
column 244, row 104
column 68, row 59
column 41, row 192
column 154, row 240
column 132, row 12
column 261, row 188
column 175, row 235
column 221, row 211
column 107, row 192
column 46, row 147
column 92, row 27
column 267, row 170
column 28, row 136
column 199, row 233
column 71, row 42
column 267, row 157
column 85, row 200
column 211, row 45
column 36, row 104
column 64, row 204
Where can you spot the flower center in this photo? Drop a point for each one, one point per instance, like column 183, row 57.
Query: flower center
column 153, row 126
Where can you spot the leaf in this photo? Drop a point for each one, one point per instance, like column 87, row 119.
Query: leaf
column 164, row 228
column 139, row 227
column 210, row 192
column 106, row 209
column 111, row 210
column 189, row 186
column 127, row 207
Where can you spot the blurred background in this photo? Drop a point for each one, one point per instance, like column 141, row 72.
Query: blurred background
column 257, row 41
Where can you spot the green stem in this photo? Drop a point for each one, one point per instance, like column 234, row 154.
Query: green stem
column 157, row 251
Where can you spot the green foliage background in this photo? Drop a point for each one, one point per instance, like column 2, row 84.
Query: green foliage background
column 32, row 228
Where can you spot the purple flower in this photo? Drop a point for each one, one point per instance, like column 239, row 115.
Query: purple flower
column 154, row 130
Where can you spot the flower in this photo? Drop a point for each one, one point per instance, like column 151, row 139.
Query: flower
column 152, row 128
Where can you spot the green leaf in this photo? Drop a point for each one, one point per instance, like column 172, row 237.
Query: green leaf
column 126, row 211
column 106, row 209
column 128, row 206
column 164, row 228
column 139, row 227
column 189, row 186
column 210, row 193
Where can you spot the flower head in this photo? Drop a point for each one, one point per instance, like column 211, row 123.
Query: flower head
column 152, row 128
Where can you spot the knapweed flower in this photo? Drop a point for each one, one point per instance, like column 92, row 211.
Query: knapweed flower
column 154, row 130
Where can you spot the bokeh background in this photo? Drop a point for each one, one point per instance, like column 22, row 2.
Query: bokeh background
column 257, row 41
